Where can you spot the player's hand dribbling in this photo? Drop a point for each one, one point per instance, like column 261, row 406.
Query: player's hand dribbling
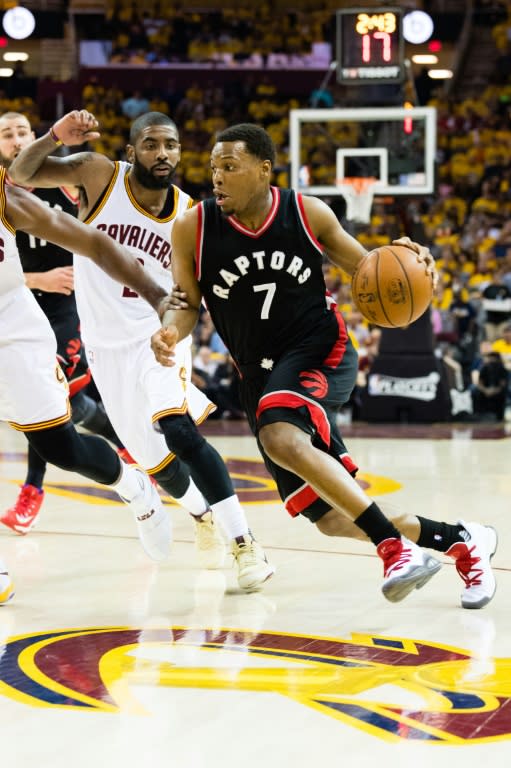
column 423, row 254
column 163, row 343
column 76, row 128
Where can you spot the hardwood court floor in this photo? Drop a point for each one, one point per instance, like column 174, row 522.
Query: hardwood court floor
column 109, row 659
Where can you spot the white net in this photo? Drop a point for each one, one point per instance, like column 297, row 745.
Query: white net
column 358, row 194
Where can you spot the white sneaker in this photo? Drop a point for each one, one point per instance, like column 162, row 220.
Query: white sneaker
column 405, row 567
column 152, row 519
column 6, row 585
column 253, row 567
column 473, row 564
column 209, row 541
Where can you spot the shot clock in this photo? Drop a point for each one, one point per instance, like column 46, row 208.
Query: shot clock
column 370, row 46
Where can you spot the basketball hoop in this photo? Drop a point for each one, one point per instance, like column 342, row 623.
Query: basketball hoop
column 358, row 191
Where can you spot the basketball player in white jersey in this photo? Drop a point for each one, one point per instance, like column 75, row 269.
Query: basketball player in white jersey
column 153, row 410
column 34, row 394
column 49, row 274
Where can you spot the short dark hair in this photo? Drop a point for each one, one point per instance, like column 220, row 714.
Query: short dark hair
column 146, row 120
column 255, row 138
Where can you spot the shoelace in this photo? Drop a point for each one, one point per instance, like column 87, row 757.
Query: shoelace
column 465, row 566
column 206, row 531
column 399, row 558
column 249, row 553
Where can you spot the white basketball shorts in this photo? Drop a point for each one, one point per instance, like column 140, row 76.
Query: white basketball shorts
column 137, row 391
column 33, row 388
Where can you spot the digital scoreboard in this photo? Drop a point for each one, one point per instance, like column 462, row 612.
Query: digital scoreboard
column 369, row 46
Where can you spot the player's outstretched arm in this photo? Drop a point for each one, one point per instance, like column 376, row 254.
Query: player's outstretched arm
column 34, row 167
column 26, row 212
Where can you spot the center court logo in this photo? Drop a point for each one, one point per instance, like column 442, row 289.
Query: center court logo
column 252, row 483
column 396, row 689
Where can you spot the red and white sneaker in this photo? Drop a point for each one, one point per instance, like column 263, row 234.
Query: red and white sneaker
column 473, row 564
column 22, row 516
column 405, row 567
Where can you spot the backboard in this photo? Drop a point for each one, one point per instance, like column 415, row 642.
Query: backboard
column 394, row 145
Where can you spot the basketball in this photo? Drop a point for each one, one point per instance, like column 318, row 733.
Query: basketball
column 391, row 288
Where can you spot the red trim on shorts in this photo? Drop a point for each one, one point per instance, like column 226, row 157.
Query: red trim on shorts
column 300, row 500
column 75, row 385
column 339, row 348
column 198, row 241
column 294, row 400
column 348, row 464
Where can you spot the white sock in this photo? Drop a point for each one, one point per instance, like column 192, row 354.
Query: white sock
column 231, row 516
column 193, row 501
column 130, row 482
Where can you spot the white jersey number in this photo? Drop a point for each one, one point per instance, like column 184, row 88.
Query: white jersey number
column 270, row 289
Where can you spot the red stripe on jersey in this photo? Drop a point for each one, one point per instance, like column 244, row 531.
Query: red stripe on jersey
column 198, row 241
column 294, row 400
column 305, row 222
column 300, row 500
column 337, row 352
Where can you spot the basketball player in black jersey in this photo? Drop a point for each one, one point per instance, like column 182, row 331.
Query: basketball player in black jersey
column 254, row 253
column 49, row 273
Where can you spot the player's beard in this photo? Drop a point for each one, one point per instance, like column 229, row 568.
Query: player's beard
column 147, row 179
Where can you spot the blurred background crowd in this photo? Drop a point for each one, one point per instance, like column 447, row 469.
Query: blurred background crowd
column 158, row 55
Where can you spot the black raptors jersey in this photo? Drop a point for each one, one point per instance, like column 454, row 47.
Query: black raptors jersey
column 264, row 289
column 40, row 256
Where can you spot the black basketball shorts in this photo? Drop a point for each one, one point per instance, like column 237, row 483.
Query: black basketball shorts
column 70, row 350
column 306, row 387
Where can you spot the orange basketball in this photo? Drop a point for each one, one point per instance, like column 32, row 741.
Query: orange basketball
column 391, row 288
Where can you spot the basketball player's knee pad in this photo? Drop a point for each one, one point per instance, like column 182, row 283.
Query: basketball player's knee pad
column 204, row 462
column 182, row 436
column 174, row 479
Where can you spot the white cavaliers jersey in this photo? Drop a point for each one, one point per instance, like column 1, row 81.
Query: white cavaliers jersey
column 112, row 314
column 11, row 271
column 33, row 389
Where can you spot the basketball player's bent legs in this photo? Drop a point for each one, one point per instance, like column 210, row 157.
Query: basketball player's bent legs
column 303, row 444
column 42, row 412
column 184, row 464
column 291, row 448
column 471, row 545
